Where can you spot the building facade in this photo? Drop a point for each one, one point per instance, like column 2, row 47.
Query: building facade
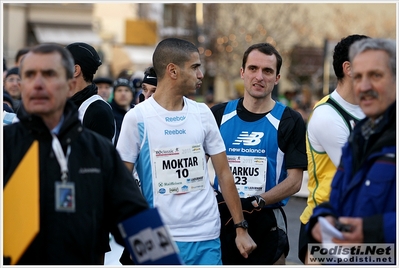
column 125, row 34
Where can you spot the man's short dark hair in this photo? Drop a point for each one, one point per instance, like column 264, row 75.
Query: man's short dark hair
column 66, row 57
column 267, row 49
column 20, row 53
column 150, row 71
column 171, row 50
column 341, row 53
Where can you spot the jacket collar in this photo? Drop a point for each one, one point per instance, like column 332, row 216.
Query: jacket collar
column 37, row 127
column 84, row 94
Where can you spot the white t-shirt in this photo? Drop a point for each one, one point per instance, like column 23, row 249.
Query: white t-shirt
column 168, row 150
column 327, row 130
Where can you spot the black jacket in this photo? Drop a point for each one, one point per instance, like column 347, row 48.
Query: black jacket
column 106, row 192
column 98, row 116
column 119, row 114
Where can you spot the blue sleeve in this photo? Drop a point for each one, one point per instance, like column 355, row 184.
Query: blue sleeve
column 389, row 224
column 322, row 210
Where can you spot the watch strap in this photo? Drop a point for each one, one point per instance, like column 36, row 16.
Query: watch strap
column 243, row 224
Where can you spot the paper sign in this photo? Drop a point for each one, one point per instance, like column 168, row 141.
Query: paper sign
column 328, row 232
column 21, row 205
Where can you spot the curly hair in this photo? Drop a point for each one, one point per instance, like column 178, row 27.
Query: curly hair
column 341, row 53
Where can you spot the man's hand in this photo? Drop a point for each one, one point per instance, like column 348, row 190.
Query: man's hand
column 316, row 232
column 252, row 202
column 244, row 242
column 259, row 201
column 355, row 235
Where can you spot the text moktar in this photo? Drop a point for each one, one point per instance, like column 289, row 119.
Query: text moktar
column 180, row 163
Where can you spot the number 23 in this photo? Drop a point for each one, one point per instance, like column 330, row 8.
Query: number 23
column 241, row 180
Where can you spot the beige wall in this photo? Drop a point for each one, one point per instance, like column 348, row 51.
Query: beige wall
column 112, row 17
column 14, row 31
column 17, row 16
column 60, row 13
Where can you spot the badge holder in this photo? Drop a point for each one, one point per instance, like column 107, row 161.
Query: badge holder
column 64, row 196
column 64, row 190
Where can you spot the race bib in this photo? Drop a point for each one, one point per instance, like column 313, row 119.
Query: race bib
column 179, row 170
column 249, row 174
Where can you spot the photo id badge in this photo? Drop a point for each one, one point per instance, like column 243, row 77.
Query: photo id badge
column 64, row 196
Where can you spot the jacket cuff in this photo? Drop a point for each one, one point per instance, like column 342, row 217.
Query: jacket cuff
column 373, row 231
column 322, row 210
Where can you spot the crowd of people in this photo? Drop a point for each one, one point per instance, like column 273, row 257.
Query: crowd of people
column 107, row 149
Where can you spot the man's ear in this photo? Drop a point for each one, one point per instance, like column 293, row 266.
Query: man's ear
column 172, row 70
column 277, row 79
column 347, row 68
column 77, row 71
column 242, row 72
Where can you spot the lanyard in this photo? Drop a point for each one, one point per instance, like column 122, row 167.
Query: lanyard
column 61, row 158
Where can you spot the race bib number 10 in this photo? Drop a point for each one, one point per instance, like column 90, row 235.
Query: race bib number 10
column 179, row 170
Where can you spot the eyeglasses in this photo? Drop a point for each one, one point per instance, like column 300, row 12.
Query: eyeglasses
column 12, row 80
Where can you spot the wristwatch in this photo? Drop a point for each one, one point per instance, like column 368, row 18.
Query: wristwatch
column 243, row 224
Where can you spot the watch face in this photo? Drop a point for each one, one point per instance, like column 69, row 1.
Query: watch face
column 243, row 224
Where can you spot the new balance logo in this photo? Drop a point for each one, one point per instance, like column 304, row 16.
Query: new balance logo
column 249, row 139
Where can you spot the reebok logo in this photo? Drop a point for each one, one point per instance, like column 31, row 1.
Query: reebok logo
column 246, row 139
column 175, row 132
column 175, row 118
